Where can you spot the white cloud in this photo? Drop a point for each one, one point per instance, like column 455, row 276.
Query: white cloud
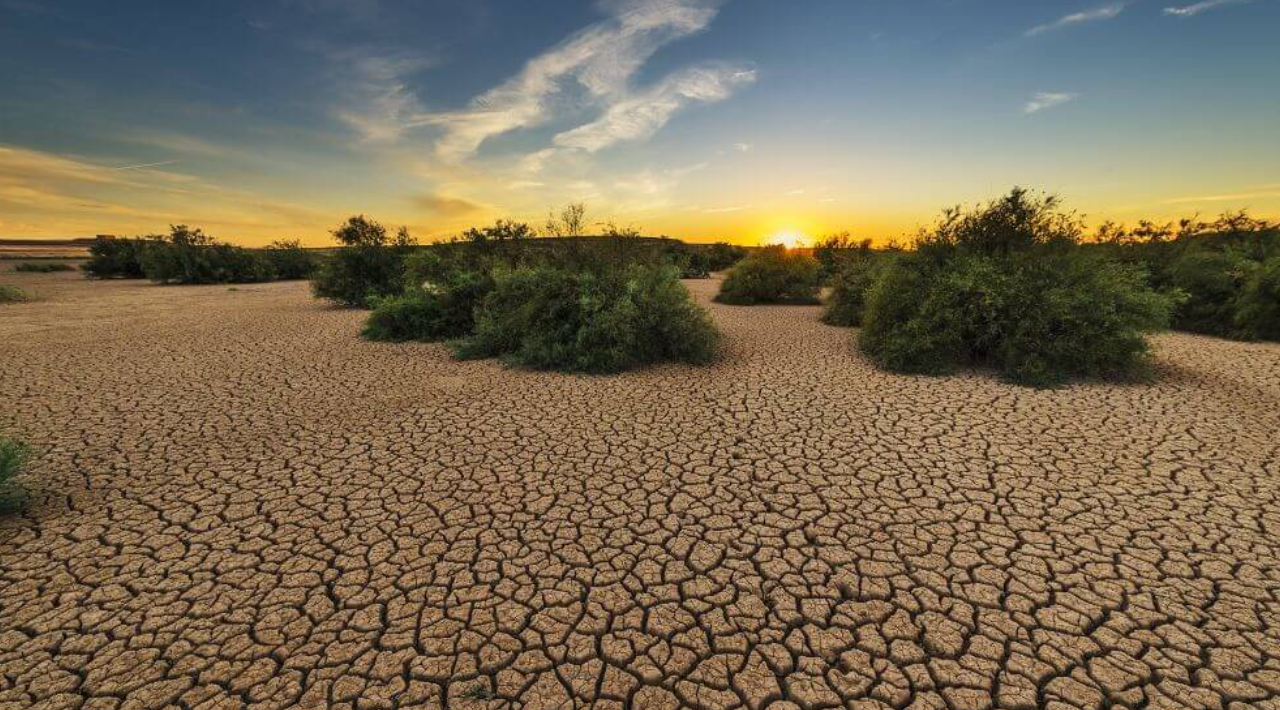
column 640, row 116
column 1197, row 8
column 601, row 59
column 380, row 106
column 1045, row 100
column 742, row 147
column 1106, row 12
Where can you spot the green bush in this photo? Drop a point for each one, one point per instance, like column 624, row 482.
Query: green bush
column 772, row 275
column 189, row 256
column 835, row 251
column 441, row 310
column 1212, row 282
column 1258, row 311
column 369, row 266
column 590, row 321
column 14, row 456
column 288, row 261
column 12, row 294
column 111, row 258
column 1006, row 286
column 43, row 267
column 849, row 286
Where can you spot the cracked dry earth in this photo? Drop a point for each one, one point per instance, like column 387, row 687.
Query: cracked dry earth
column 237, row 503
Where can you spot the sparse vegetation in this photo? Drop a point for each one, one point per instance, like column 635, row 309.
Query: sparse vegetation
column 43, row 267
column 1005, row 286
column 1216, row 269
column 111, row 258
column 12, row 294
column 600, row 321
column 772, row 275
column 288, row 261
column 438, row 310
column 14, row 456
column 368, row 267
column 189, row 256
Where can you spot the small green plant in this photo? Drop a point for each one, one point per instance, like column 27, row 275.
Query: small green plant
column 369, row 266
column 43, row 267
column 605, row 321
column 12, row 294
column 14, row 457
column 772, row 275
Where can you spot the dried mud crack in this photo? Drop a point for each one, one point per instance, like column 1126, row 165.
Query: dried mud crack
column 238, row 503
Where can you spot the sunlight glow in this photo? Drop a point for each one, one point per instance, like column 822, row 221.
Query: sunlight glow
column 790, row 239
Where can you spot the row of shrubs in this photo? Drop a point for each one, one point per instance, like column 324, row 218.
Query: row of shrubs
column 1015, row 286
column 189, row 256
column 1227, row 272
column 43, row 267
column 575, row 304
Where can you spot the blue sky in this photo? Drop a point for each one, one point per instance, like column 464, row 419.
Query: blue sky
column 701, row 119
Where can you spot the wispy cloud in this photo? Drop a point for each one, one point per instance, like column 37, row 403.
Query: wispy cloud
column 640, row 116
column 380, row 105
column 1234, row 197
column 724, row 210
column 1099, row 14
column 1047, row 100
column 600, row 60
column 1197, row 8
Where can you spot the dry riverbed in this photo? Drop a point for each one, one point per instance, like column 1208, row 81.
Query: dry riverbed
column 239, row 503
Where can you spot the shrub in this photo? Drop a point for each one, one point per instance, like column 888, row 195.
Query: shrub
column 189, row 256
column 837, row 250
column 432, row 312
column 369, row 266
column 1005, row 286
column 12, row 294
column 772, row 275
column 1212, row 282
column 14, row 456
column 590, row 321
column 1258, row 312
column 288, row 261
column 33, row 267
column 849, row 286
column 111, row 258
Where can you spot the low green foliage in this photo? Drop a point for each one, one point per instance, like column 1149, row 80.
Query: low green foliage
column 772, row 275
column 1258, row 306
column 43, row 267
column 432, row 312
column 835, row 251
column 288, row 261
column 605, row 321
column 1006, row 286
column 12, row 294
column 111, row 258
column 849, row 286
column 189, row 256
column 369, row 266
column 14, row 456
column 1211, row 266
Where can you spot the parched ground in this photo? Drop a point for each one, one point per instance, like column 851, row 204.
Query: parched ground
column 240, row 504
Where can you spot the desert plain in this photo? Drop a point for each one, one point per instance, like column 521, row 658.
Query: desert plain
column 238, row 503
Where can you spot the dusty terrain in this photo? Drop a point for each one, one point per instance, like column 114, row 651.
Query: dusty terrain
column 240, row 504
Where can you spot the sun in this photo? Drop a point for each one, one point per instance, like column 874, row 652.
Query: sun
column 790, row 239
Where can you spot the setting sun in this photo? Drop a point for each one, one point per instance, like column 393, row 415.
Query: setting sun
column 790, row 239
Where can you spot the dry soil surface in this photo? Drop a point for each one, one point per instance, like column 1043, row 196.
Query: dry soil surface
column 237, row 503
